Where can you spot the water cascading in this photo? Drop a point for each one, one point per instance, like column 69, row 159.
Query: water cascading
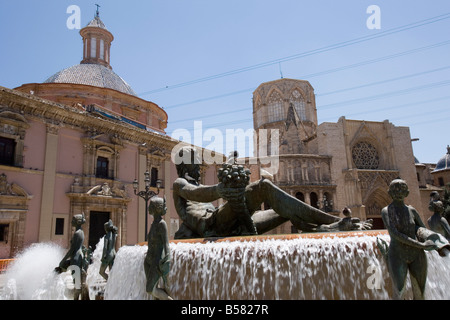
column 327, row 266
column 344, row 266
column 31, row 276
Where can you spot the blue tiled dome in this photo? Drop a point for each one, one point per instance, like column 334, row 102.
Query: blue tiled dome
column 444, row 162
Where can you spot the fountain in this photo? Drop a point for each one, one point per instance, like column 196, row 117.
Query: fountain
column 341, row 265
column 332, row 265
column 338, row 266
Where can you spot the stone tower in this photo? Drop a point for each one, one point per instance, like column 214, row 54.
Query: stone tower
column 289, row 106
column 286, row 109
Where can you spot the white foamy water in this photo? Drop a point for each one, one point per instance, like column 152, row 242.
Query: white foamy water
column 328, row 268
column 277, row 269
column 127, row 277
column 31, row 274
column 95, row 282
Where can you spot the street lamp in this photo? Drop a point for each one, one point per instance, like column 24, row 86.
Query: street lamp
column 146, row 194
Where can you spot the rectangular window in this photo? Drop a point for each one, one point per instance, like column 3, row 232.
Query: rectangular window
column 441, row 181
column 7, row 148
column 102, row 168
column 93, row 48
column 102, row 49
column 59, row 226
column 154, row 177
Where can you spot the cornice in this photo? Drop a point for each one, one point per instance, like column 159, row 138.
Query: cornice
column 59, row 114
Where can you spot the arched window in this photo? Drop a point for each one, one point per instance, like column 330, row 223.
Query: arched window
column 275, row 107
column 314, row 200
column 300, row 196
column 299, row 104
column 365, row 156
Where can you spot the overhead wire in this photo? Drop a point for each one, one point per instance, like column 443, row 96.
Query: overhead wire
column 360, row 100
column 324, row 49
column 306, row 53
column 321, row 73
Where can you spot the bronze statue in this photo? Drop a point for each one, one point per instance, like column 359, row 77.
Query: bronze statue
column 75, row 257
column 409, row 241
column 437, row 222
column 201, row 219
column 109, row 248
column 157, row 261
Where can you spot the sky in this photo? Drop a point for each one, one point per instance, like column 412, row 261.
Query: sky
column 201, row 60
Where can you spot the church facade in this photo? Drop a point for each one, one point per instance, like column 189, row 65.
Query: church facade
column 330, row 166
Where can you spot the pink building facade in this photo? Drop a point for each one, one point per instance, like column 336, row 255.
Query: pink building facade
column 74, row 145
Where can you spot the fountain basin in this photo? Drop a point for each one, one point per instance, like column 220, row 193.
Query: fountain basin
column 340, row 265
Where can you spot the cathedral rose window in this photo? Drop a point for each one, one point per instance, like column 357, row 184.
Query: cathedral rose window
column 365, row 156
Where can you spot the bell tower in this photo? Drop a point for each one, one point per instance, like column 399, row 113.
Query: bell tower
column 289, row 106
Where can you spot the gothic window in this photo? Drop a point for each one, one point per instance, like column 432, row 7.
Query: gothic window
column 259, row 117
column 365, row 156
column 299, row 104
column 275, row 107
column 259, row 114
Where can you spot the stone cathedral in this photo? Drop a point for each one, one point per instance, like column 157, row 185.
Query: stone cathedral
column 333, row 165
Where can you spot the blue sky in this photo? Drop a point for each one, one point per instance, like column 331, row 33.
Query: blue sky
column 201, row 60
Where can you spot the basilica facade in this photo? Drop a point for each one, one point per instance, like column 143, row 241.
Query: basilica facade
column 75, row 144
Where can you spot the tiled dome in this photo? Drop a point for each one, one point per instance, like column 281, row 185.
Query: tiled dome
column 92, row 74
column 444, row 162
column 94, row 69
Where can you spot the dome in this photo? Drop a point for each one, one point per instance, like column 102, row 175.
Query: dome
column 93, row 75
column 444, row 162
column 95, row 69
